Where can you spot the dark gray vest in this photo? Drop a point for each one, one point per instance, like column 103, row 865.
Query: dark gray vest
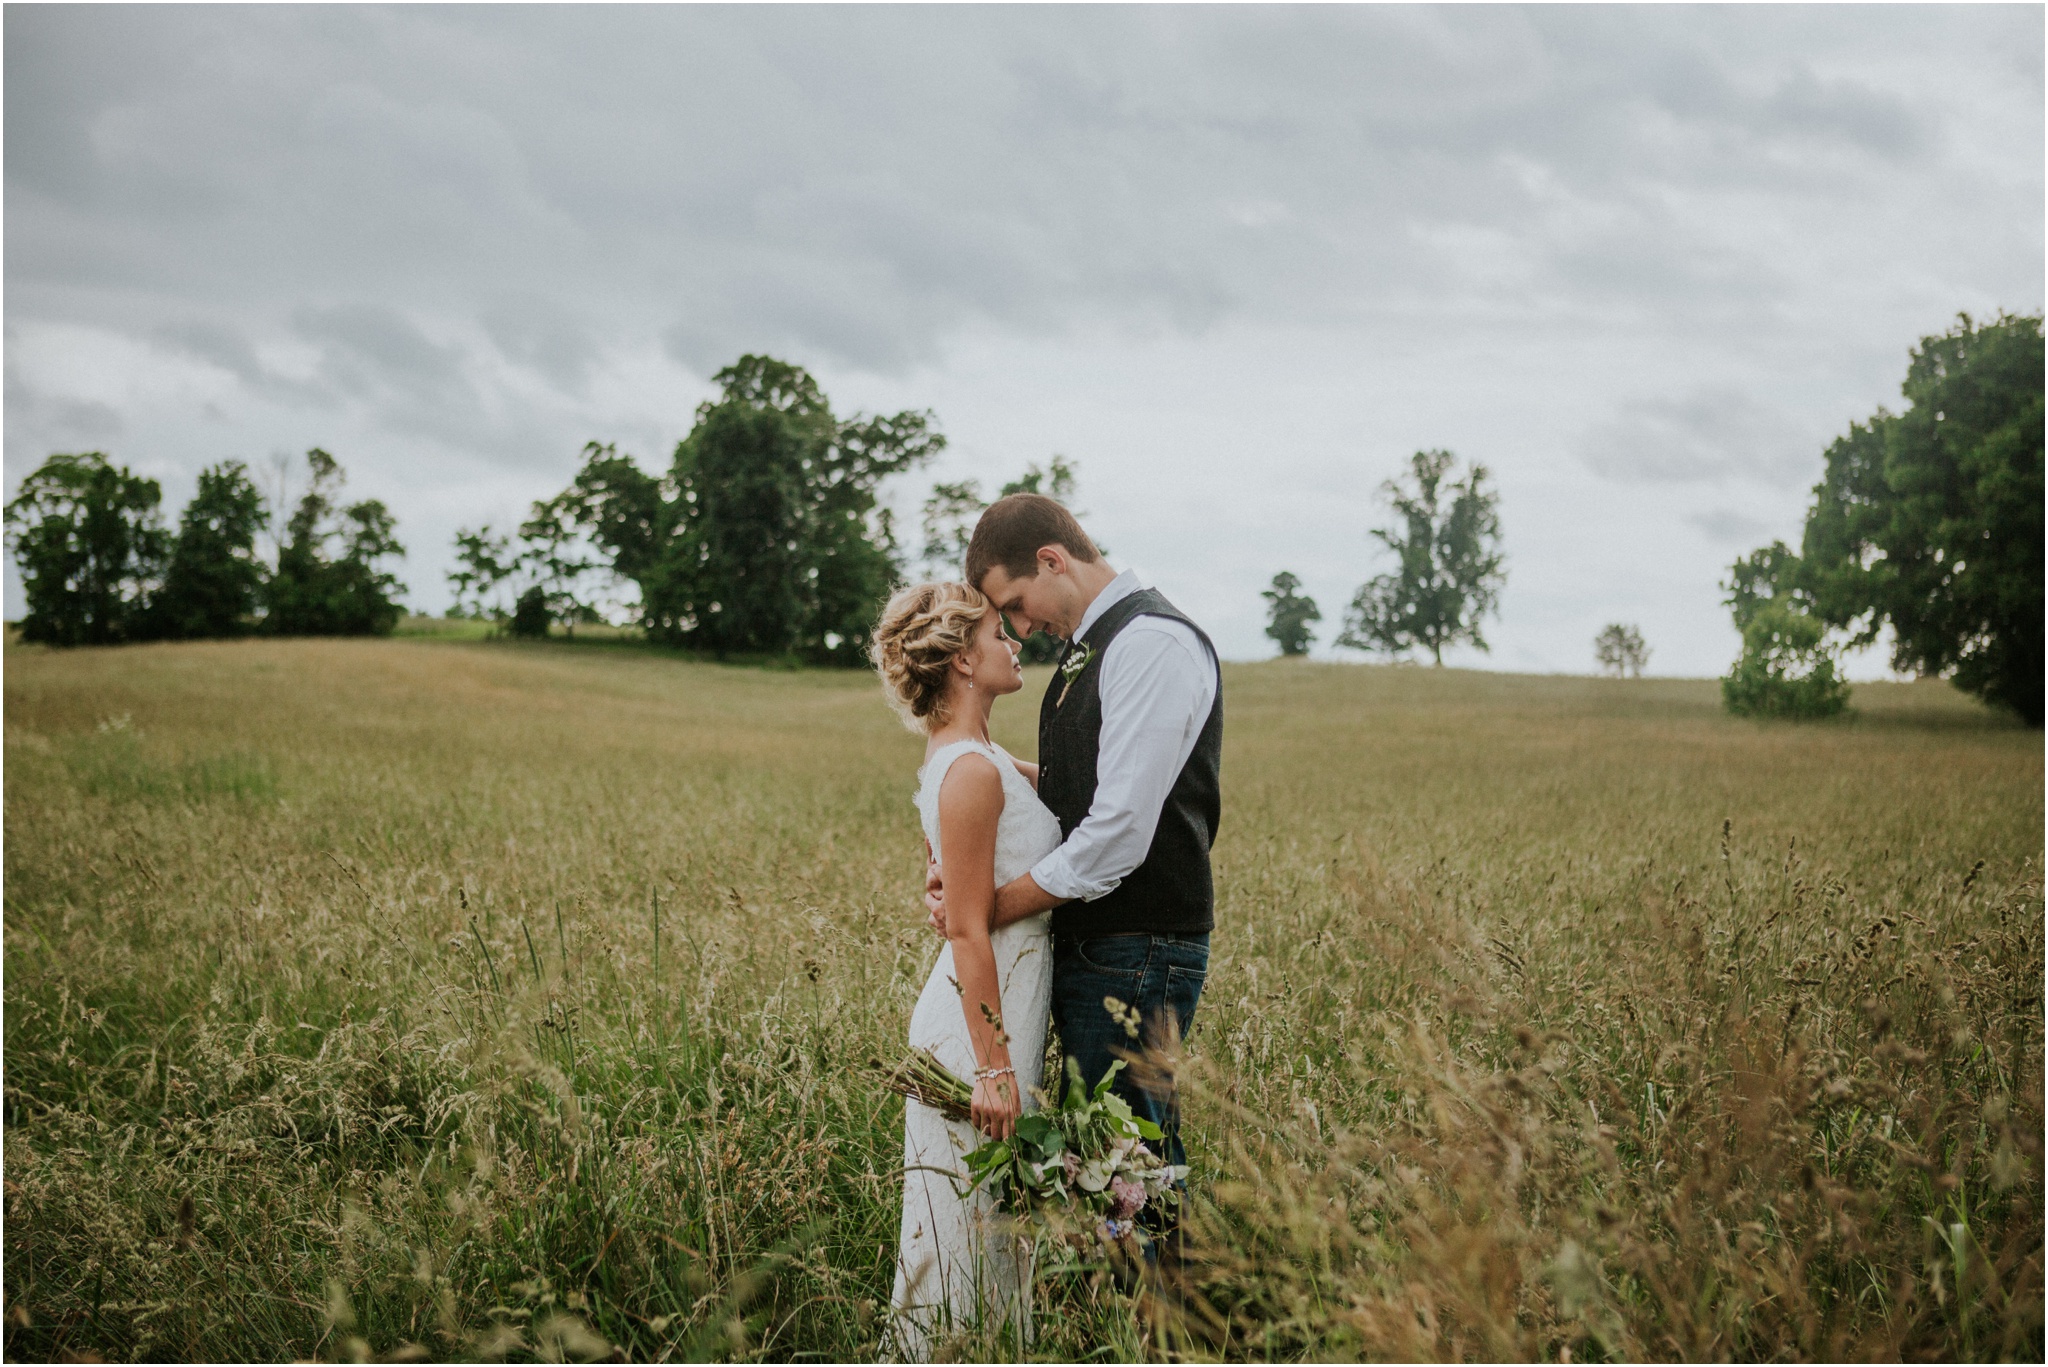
column 1172, row 891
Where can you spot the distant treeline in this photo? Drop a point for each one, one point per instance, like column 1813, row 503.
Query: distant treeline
column 98, row 566
column 765, row 537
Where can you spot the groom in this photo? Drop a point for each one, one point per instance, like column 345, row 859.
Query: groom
column 1130, row 739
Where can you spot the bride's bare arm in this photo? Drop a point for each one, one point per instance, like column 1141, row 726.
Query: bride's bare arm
column 1015, row 900
column 970, row 806
column 1029, row 770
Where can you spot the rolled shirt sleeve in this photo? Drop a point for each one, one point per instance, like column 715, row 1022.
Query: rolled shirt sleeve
column 1158, row 683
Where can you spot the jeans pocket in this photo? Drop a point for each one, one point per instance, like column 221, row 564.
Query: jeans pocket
column 1116, row 956
column 1183, row 990
column 1187, row 969
column 1185, row 956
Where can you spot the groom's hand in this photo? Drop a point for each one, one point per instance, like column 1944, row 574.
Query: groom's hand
column 934, row 892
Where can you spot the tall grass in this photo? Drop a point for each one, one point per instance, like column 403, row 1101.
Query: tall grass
column 422, row 998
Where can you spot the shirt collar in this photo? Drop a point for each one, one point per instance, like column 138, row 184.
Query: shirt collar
column 1114, row 592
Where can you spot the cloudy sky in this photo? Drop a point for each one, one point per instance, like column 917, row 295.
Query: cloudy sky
column 1235, row 263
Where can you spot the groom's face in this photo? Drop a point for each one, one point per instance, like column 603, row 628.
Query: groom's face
column 1045, row 599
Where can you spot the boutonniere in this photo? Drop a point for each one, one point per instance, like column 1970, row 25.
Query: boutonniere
column 1070, row 670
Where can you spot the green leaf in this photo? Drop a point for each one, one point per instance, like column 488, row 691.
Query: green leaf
column 1036, row 1130
column 1147, row 1130
column 1077, row 1090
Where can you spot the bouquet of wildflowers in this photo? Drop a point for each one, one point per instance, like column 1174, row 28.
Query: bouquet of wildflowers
column 1085, row 1155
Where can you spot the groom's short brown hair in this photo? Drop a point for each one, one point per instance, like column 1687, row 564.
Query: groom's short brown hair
column 1011, row 531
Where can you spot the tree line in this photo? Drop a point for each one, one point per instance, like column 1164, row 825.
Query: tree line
column 99, row 567
column 765, row 536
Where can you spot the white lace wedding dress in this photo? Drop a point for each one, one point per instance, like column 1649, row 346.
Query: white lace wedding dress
column 955, row 1268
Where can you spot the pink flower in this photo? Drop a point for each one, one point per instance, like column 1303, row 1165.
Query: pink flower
column 1072, row 1162
column 1126, row 1198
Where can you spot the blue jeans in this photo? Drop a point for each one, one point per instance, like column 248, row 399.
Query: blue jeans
column 1158, row 976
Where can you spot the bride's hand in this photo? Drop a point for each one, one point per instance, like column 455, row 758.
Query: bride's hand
column 934, row 893
column 996, row 1106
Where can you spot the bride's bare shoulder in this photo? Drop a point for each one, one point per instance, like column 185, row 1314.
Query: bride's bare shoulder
column 971, row 783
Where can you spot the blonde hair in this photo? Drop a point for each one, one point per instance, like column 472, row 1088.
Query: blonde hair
column 921, row 630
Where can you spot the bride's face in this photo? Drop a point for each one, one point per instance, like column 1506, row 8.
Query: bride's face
column 992, row 659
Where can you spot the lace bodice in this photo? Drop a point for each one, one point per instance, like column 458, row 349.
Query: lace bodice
column 1027, row 831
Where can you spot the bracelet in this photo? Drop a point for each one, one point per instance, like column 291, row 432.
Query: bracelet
column 982, row 1074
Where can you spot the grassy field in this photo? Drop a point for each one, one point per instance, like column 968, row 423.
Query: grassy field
column 429, row 998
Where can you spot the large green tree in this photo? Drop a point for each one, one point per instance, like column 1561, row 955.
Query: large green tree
column 329, row 581
column 1449, row 572
column 89, row 538
column 1930, row 521
column 213, row 582
column 765, row 536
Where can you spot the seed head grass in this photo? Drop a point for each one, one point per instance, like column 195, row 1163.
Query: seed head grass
column 431, row 998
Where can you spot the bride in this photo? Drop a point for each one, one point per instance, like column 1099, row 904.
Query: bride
column 944, row 660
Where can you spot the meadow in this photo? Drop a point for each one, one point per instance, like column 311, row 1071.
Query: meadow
column 440, row 998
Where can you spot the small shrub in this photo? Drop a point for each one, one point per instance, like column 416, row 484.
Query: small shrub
column 530, row 615
column 1787, row 668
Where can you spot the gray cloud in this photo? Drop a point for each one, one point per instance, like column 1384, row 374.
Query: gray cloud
column 861, row 182
column 1730, row 526
column 72, row 424
column 538, row 332
column 217, row 344
column 1709, row 436
column 367, row 348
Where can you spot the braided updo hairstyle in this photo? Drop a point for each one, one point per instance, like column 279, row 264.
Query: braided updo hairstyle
column 920, row 632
